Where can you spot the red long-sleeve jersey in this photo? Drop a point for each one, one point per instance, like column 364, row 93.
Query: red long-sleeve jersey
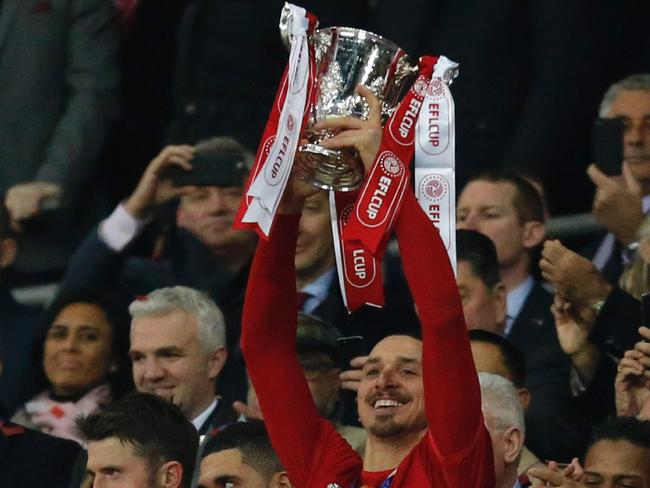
column 455, row 452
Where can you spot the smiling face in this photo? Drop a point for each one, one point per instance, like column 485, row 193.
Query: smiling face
column 617, row 464
column 390, row 398
column 169, row 361
column 78, row 348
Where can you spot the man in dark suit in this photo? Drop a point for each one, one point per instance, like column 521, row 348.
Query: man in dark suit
column 318, row 284
column 178, row 351
column 509, row 210
column 59, row 77
column 620, row 203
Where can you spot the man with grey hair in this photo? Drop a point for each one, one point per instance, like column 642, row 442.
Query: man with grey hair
column 620, row 203
column 504, row 419
column 178, row 350
column 200, row 250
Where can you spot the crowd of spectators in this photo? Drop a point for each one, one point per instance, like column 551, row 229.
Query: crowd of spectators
column 178, row 351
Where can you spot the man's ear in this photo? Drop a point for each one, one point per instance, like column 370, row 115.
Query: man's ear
column 513, row 443
column 171, row 475
column 534, row 234
column 217, row 361
column 280, row 480
column 524, row 397
column 8, row 252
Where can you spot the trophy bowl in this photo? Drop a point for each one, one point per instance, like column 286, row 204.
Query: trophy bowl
column 344, row 58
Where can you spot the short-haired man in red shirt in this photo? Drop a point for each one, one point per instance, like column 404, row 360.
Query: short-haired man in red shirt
column 419, row 400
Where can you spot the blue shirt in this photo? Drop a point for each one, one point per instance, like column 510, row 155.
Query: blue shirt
column 318, row 290
column 515, row 302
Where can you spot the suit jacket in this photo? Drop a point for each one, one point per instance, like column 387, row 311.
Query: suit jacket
column 556, row 427
column 229, row 64
column 58, row 82
column 29, row 458
column 223, row 414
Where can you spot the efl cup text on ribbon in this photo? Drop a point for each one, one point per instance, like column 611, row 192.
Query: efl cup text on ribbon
column 409, row 117
column 434, row 127
column 361, row 272
column 399, row 126
column 386, row 191
column 377, row 198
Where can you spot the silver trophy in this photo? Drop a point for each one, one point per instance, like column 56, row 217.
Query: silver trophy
column 345, row 58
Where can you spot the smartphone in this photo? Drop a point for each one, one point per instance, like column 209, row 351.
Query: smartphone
column 645, row 309
column 607, row 145
column 209, row 170
column 350, row 348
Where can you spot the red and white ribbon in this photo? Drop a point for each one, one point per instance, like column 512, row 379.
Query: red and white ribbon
column 435, row 155
column 359, row 272
column 361, row 239
column 282, row 134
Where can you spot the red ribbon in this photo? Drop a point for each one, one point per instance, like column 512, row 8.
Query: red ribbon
column 366, row 224
column 382, row 193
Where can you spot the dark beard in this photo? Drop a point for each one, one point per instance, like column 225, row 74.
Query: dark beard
column 386, row 428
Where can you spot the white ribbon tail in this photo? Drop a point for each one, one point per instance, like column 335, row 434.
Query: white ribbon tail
column 268, row 186
column 435, row 147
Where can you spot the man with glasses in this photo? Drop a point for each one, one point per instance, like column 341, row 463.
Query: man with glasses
column 320, row 358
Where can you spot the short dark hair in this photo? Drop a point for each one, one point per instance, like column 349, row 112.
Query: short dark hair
column 479, row 251
column 512, row 357
column 252, row 441
column 527, row 201
column 628, row 429
column 157, row 430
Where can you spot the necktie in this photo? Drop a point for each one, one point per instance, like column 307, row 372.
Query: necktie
column 302, row 298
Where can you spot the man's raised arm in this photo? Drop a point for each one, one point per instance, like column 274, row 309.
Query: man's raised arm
column 298, row 433
column 452, row 392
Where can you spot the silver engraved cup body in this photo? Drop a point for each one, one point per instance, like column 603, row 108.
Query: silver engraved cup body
column 344, row 58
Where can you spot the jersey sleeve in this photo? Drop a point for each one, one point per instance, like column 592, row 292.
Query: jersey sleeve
column 309, row 447
column 451, row 387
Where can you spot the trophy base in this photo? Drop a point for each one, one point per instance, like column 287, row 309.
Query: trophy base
column 329, row 169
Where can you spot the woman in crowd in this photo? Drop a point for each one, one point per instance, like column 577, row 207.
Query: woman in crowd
column 84, row 363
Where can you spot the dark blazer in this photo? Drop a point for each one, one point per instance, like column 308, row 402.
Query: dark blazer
column 58, row 98
column 29, row 458
column 556, row 427
column 222, row 415
column 397, row 317
column 229, row 64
